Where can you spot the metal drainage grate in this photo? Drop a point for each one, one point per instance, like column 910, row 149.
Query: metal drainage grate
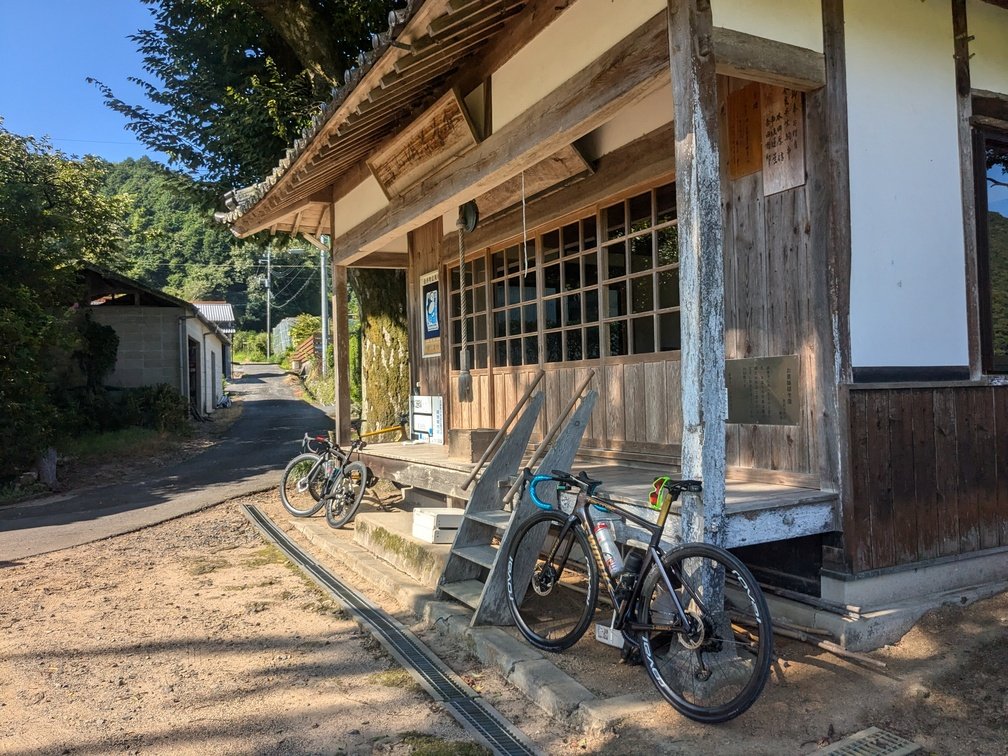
column 475, row 715
column 871, row 742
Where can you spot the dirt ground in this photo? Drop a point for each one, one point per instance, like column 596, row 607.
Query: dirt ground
column 195, row 637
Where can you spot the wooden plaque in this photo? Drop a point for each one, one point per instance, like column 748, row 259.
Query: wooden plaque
column 783, row 134
column 763, row 390
column 744, row 147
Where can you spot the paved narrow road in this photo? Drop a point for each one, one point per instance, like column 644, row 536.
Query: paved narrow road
column 248, row 458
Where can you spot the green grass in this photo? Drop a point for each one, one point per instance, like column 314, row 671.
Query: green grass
column 128, row 442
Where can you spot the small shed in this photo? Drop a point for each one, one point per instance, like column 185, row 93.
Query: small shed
column 162, row 339
column 221, row 314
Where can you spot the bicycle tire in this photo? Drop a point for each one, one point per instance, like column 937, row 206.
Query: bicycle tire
column 702, row 674
column 345, row 495
column 552, row 605
column 300, row 494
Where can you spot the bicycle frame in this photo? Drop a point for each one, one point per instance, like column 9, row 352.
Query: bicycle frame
column 654, row 555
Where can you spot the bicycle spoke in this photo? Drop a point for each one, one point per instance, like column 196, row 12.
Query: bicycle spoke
column 706, row 670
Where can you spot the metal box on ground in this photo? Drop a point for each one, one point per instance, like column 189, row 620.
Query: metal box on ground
column 436, row 524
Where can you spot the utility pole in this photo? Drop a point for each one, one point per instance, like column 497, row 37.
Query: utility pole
column 269, row 296
column 325, row 311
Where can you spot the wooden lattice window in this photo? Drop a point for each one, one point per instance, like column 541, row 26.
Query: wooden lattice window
column 604, row 285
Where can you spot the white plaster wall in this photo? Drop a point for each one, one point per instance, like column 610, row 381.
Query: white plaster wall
column 908, row 287
column 580, row 34
column 797, row 22
column 363, row 201
column 989, row 64
column 629, row 124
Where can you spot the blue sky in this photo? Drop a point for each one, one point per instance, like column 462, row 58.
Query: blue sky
column 47, row 50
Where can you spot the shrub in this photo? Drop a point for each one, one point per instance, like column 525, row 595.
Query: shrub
column 249, row 346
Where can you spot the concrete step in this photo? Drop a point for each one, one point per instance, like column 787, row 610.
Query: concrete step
column 389, row 536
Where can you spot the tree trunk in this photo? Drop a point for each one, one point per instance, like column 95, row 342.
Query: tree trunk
column 384, row 345
column 45, row 466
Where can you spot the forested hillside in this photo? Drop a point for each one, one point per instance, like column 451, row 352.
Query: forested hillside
column 172, row 243
column 998, row 243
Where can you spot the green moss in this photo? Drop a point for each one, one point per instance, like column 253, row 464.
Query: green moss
column 395, row 678
column 396, row 544
column 430, row 745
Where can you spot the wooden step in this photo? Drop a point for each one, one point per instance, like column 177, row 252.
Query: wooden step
column 495, row 518
column 484, row 556
column 466, row 591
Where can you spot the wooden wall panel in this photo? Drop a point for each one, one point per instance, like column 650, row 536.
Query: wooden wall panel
column 929, row 471
column 425, row 257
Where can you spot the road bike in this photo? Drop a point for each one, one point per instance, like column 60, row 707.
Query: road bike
column 324, row 475
column 301, row 483
column 695, row 615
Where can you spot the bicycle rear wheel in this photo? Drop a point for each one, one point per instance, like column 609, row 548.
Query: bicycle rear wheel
column 301, row 485
column 346, row 494
column 715, row 669
column 552, row 585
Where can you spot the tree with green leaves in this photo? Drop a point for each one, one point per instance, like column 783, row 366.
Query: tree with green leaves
column 53, row 216
column 230, row 84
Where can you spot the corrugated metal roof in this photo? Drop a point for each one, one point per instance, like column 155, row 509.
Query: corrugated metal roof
column 220, row 313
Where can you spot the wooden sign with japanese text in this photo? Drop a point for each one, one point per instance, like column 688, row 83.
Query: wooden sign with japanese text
column 763, row 390
column 744, row 122
column 783, row 138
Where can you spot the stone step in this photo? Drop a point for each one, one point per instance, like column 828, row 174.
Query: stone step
column 389, row 536
column 466, row 591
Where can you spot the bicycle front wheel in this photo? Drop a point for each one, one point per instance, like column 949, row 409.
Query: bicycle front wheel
column 715, row 667
column 345, row 495
column 301, row 485
column 552, row 581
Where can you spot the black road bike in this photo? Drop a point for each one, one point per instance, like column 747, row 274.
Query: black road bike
column 695, row 615
column 325, row 475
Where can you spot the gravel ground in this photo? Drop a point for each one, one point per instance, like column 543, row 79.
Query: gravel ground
column 194, row 637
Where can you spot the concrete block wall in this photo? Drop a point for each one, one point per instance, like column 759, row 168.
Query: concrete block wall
column 148, row 344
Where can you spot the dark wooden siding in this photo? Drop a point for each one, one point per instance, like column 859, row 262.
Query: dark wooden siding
column 424, row 257
column 929, row 469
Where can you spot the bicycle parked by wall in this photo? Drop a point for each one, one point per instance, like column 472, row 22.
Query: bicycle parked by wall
column 695, row 614
column 325, row 476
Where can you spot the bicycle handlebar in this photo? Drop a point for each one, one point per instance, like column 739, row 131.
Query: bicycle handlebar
column 565, row 481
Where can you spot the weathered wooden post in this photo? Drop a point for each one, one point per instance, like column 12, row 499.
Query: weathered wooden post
column 701, row 265
column 341, row 337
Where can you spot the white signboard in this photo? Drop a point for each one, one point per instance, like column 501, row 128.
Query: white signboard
column 427, row 419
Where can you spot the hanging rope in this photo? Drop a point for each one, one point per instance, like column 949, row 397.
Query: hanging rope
column 524, row 229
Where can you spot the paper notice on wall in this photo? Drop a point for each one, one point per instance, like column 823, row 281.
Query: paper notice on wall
column 427, row 419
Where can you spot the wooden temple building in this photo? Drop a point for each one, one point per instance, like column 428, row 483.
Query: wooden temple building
column 770, row 234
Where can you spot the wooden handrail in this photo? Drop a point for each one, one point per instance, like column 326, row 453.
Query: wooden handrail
column 495, row 442
column 540, row 451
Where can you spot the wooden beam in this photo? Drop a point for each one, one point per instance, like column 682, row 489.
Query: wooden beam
column 701, row 266
column 388, row 260
column 277, row 216
column 628, row 72
column 759, row 59
column 637, row 164
column 838, row 242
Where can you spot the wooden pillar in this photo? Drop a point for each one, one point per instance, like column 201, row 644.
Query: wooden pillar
column 701, row 265
column 341, row 338
column 964, row 103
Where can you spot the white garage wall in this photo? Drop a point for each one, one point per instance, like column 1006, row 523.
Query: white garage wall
column 908, row 288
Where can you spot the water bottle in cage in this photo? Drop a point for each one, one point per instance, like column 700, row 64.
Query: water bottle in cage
column 607, row 545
